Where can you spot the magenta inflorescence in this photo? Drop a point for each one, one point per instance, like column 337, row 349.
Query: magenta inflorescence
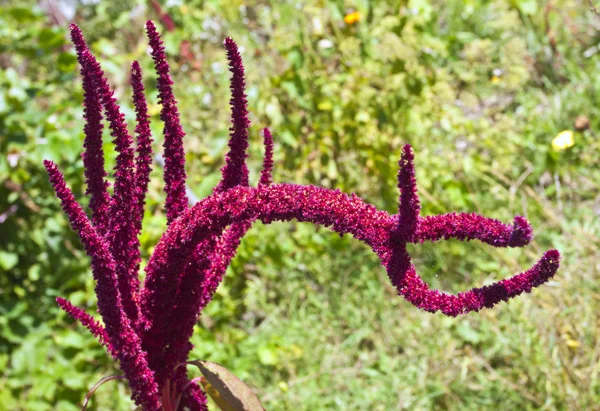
column 147, row 329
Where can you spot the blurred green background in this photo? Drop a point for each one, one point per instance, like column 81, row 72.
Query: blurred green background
column 308, row 319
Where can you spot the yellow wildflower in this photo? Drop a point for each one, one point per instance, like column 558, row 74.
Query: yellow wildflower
column 563, row 140
column 495, row 80
column 352, row 18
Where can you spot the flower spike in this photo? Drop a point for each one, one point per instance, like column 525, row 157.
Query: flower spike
column 417, row 292
column 174, row 155
column 121, row 233
column 93, row 156
column 235, row 171
column 123, row 339
column 197, row 288
column 88, row 322
column 409, row 200
column 265, row 175
column 344, row 214
column 471, row 226
column 143, row 159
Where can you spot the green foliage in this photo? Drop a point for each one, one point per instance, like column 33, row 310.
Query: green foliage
column 480, row 88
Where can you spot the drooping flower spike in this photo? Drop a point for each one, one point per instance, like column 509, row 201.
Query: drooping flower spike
column 148, row 330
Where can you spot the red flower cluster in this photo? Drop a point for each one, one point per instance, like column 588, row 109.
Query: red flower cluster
column 148, row 329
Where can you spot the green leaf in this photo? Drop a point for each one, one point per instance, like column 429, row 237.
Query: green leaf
column 22, row 14
column 528, row 7
column 67, row 62
column 267, row 356
column 468, row 334
column 8, row 260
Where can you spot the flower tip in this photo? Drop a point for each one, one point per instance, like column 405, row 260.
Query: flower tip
column 522, row 232
column 547, row 267
column 407, row 156
column 76, row 34
column 552, row 257
column 150, row 25
column 135, row 67
column 229, row 43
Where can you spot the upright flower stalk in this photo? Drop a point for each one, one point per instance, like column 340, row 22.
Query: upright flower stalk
column 147, row 329
column 174, row 173
column 235, row 171
column 93, row 156
column 143, row 159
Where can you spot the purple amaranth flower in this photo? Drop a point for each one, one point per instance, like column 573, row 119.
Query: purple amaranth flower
column 124, row 341
column 204, row 273
column 471, row 226
column 410, row 205
column 265, row 174
column 93, row 156
column 121, row 233
column 148, row 330
column 235, row 171
column 343, row 214
column 88, row 322
column 174, row 155
column 143, row 159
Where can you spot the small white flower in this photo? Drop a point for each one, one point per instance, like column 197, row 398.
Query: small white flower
column 325, row 44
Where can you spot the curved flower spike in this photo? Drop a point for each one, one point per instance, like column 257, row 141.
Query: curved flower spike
column 417, row 292
column 344, row 214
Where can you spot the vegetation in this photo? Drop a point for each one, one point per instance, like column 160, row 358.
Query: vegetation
column 308, row 319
